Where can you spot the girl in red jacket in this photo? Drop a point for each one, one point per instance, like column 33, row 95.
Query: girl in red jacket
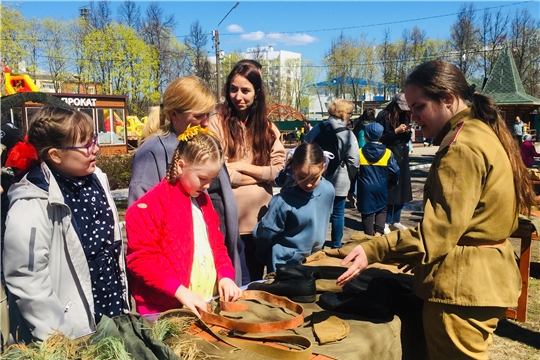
column 176, row 253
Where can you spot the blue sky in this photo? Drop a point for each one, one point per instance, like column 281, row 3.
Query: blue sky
column 306, row 27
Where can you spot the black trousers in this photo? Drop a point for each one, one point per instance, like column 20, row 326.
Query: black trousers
column 255, row 267
column 374, row 223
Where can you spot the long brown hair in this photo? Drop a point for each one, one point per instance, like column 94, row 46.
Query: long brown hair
column 258, row 134
column 437, row 79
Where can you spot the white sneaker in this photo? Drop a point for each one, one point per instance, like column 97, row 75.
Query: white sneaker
column 399, row 226
column 387, row 229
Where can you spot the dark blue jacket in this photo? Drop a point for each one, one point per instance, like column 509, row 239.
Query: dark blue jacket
column 378, row 172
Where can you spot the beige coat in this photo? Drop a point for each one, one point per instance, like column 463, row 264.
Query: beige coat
column 469, row 193
column 252, row 199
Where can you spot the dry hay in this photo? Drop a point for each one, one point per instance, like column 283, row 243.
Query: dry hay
column 171, row 330
column 60, row 347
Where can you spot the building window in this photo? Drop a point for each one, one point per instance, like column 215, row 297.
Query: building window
column 91, row 90
column 73, row 89
column 47, row 86
column 111, row 129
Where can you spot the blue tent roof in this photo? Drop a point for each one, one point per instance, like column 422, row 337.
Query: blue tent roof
column 349, row 81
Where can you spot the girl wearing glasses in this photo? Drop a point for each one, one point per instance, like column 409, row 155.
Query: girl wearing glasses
column 64, row 263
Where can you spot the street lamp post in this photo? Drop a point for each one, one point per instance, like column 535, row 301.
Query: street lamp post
column 216, row 42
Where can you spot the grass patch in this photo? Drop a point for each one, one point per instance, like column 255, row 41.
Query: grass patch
column 516, row 340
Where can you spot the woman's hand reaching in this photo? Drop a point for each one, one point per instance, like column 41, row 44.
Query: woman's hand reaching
column 191, row 300
column 359, row 263
column 228, row 291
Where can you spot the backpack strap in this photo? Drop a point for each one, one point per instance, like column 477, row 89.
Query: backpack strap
column 336, row 132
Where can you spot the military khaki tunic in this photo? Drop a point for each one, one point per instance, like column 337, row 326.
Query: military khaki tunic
column 468, row 195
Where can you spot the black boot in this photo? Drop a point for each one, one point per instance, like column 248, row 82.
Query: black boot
column 297, row 282
column 290, row 272
column 371, row 298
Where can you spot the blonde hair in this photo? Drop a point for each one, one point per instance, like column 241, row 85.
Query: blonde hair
column 152, row 124
column 340, row 108
column 51, row 127
column 200, row 149
column 184, row 94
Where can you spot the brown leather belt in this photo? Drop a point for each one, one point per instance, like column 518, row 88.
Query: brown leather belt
column 467, row 241
column 302, row 345
column 254, row 328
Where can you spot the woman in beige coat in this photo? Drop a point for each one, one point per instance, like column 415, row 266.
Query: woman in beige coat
column 253, row 149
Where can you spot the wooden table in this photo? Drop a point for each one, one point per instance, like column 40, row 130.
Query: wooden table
column 525, row 233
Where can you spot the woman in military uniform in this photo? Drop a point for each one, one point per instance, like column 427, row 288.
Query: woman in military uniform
column 464, row 267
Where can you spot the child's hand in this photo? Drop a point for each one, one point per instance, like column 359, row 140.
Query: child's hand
column 228, row 290
column 191, row 300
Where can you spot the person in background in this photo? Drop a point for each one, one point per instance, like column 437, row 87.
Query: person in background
column 464, row 266
column 528, row 151
column 176, row 254
column 63, row 256
column 413, row 139
column 340, row 114
column 296, row 223
column 428, row 141
column 9, row 136
column 253, row 150
column 378, row 173
column 307, row 127
column 367, row 117
column 517, row 130
column 186, row 101
column 397, row 133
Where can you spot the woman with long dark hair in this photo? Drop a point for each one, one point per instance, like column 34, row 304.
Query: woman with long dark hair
column 254, row 152
column 397, row 133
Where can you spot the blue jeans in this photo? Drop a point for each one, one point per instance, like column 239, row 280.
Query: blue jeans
column 337, row 219
column 393, row 214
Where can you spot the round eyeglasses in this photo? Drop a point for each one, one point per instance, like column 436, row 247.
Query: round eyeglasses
column 90, row 147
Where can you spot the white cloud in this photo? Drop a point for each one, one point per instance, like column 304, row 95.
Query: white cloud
column 279, row 38
column 233, row 28
column 253, row 36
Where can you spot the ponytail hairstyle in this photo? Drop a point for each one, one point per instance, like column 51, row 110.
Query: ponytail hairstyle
column 50, row 127
column 197, row 145
column 258, row 134
column 439, row 78
column 309, row 154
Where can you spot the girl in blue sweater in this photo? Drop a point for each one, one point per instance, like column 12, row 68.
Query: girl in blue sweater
column 296, row 223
